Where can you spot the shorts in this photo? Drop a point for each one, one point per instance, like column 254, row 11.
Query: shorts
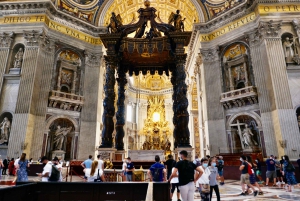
column 278, row 173
column 220, row 173
column 271, row 174
column 245, row 179
column 258, row 172
column 252, row 178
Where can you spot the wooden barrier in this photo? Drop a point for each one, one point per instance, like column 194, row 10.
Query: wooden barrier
column 74, row 191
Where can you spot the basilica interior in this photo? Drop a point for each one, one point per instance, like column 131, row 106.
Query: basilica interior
column 142, row 78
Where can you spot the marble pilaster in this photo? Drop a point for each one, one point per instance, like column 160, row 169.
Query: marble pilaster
column 6, row 40
column 23, row 126
column 213, row 116
column 90, row 124
column 278, row 116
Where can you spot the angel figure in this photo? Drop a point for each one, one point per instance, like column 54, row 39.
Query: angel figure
column 115, row 23
column 178, row 21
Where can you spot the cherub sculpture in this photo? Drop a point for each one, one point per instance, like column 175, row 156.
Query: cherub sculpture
column 178, row 21
column 115, row 23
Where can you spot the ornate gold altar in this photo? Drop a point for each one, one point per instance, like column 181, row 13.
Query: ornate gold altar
column 156, row 129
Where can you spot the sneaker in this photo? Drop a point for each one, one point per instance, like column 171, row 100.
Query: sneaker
column 243, row 194
column 255, row 193
column 178, row 200
column 260, row 193
column 246, row 193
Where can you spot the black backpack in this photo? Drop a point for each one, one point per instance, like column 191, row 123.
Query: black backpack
column 55, row 174
column 157, row 174
column 220, row 165
column 290, row 168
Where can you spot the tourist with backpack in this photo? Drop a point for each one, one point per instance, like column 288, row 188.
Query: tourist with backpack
column 220, row 166
column 289, row 173
column 245, row 168
column 157, row 171
column 50, row 172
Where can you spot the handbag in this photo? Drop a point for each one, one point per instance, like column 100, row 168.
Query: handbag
column 98, row 178
column 250, row 170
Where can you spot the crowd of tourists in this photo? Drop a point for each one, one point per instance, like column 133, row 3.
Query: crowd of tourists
column 183, row 175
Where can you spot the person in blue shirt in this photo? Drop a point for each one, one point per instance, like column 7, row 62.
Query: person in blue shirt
column 157, row 171
column 87, row 164
column 271, row 170
column 129, row 169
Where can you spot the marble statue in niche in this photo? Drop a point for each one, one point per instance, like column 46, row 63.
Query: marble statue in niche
column 60, row 137
column 288, row 49
column 18, row 60
column 5, row 130
column 248, row 137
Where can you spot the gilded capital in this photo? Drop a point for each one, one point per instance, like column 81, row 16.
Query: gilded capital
column 6, row 39
column 209, row 55
column 270, row 29
column 92, row 59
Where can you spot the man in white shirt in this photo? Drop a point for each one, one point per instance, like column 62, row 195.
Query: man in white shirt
column 47, row 169
column 100, row 163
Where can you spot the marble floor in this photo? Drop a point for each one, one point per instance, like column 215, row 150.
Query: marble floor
column 229, row 191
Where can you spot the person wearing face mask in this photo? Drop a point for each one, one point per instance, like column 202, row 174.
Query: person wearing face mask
column 213, row 178
column 271, row 170
column 258, row 171
column 186, row 176
column 203, row 181
column 245, row 176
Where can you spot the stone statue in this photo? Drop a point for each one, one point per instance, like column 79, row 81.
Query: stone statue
column 248, row 137
column 288, row 50
column 5, row 129
column 115, row 23
column 59, row 137
column 178, row 21
column 18, row 59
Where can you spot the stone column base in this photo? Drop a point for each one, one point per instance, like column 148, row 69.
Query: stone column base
column 60, row 154
column 119, row 155
column 15, row 71
column 107, row 153
column 188, row 149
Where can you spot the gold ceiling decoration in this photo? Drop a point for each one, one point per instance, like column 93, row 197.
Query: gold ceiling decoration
column 128, row 10
column 154, row 82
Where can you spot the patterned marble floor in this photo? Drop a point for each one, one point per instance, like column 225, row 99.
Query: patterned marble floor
column 230, row 191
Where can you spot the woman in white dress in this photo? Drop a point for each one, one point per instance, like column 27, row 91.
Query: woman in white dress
column 92, row 173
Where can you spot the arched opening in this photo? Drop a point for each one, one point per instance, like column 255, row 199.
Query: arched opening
column 61, row 139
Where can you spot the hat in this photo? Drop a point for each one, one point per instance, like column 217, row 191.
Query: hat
column 55, row 159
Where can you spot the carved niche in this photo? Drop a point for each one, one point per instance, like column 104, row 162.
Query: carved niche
column 236, row 67
column 290, row 45
column 68, row 71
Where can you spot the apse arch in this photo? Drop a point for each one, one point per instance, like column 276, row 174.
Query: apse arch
column 191, row 8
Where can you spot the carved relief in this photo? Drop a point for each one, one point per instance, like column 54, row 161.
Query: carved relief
column 216, row 9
